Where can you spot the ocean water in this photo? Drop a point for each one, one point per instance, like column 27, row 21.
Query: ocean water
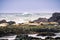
column 23, row 17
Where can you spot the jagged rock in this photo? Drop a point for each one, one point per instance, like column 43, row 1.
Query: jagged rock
column 3, row 21
column 55, row 18
column 41, row 20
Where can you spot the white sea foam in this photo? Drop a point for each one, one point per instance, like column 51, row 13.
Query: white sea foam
column 23, row 17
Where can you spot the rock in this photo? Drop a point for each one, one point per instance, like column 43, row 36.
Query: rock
column 46, row 34
column 41, row 20
column 55, row 17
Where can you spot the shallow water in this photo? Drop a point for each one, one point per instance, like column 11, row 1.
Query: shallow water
column 43, row 37
column 9, row 37
column 13, row 37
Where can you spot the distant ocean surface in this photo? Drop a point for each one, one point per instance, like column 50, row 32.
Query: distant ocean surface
column 23, row 17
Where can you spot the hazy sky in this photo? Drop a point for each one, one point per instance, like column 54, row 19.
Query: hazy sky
column 12, row 6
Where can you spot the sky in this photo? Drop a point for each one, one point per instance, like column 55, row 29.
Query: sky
column 17, row 6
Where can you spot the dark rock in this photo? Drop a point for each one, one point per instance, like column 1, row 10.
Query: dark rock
column 41, row 20
column 57, row 38
column 48, row 38
column 46, row 34
column 55, row 17
column 3, row 21
column 11, row 22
